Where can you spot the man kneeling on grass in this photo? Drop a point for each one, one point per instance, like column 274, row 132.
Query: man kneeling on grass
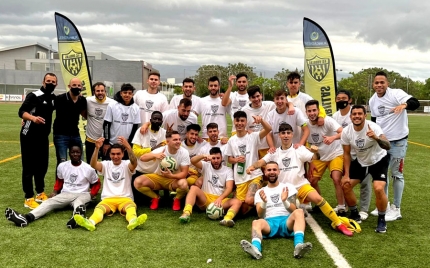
column 278, row 215
column 74, row 178
column 217, row 184
column 117, row 193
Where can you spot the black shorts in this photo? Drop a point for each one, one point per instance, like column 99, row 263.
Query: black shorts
column 378, row 171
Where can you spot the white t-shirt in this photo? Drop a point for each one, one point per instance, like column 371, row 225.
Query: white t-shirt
column 149, row 139
column 263, row 111
column 212, row 111
column 274, row 205
column 291, row 164
column 207, row 147
column 214, row 180
column 96, row 112
column 193, row 150
column 330, row 127
column 117, row 179
column 182, row 158
column 238, row 102
column 122, row 118
column 296, row 121
column 395, row 126
column 172, row 117
column 195, row 107
column 300, row 100
column 77, row 179
column 149, row 103
column 248, row 146
column 343, row 120
column 367, row 149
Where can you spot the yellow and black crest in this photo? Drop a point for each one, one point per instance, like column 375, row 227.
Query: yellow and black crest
column 318, row 67
column 72, row 62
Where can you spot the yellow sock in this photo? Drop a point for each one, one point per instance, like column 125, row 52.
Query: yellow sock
column 181, row 193
column 148, row 192
column 230, row 215
column 328, row 211
column 98, row 213
column 188, row 209
column 130, row 213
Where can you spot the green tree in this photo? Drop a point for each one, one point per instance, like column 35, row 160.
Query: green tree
column 267, row 85
column 281, row 77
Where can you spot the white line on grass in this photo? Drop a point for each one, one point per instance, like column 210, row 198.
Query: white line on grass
column 329, row 247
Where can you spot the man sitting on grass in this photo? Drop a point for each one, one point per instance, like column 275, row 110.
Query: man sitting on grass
column 218, row 183
column 117, row 193
column 279, row 217
column 74, row 178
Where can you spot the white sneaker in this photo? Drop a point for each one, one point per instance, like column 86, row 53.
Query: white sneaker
column 340, row 209
column 364, row 215
column 308, row 206
column 375, row 211
column 393, row 214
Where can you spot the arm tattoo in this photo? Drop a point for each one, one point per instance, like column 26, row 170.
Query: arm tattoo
column 384, row 144
column 252, row 190
column 292, row 199
column 132, row 157
column 255, row 234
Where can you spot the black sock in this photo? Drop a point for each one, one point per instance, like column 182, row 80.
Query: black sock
column 29, row 217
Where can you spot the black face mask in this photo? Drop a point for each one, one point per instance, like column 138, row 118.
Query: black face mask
column 341, row 104
column 49, row 87
column 75, row 91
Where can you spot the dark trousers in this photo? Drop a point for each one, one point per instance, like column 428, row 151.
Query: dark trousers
column 35, row 159
column 89, row 150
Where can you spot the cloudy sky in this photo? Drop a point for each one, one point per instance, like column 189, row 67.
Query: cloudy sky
column 266, row 34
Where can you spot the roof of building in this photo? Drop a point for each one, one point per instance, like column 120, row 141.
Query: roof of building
column 28, row 45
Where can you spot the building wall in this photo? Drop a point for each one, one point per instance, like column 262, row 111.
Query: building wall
column 8, row 57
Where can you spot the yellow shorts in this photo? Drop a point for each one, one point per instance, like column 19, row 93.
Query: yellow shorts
column 117, row 203
column 160, row 182
column 242, row 189
column 334, row 164
column 304, row 191
column 210, row 198
column 191, row 180
column 262, row 153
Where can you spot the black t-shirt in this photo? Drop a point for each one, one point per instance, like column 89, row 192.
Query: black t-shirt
column 67, row 114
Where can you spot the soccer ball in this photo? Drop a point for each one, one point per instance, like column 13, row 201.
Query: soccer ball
column 168, row 162
column 214, row 212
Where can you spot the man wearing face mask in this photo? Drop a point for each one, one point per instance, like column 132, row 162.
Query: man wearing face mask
column 36, row 111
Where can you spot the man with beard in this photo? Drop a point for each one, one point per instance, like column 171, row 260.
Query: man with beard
column 165, row 179
column 278, row 215
column 122, row 119
column 188, row 89
column 282, row 115
column 368, row 141
column 218, row 183
column 96, row 110
column 236, row 101
column 68, row 107
column 178, row 119
column 150, row 100
column 291, row 165
column 74, row 178
column 213, row 141
column 116, row 193
column 211, row 109
column 343, row 117
column 36, row 113
column 193, row 147
column 326, row 138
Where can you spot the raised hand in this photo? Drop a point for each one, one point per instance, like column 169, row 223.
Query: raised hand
column 170, row 128
column 99, row 142
column 370, row 133
column 231, row 79
column 284, row 194
column 257, row 119
column 263, row 196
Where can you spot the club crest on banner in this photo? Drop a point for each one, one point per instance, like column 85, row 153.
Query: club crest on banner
column 274, row 198
column 315, row 137
column 286, row 161
column 215, row 179
column 359, row 143
column 72, row 62
column 318, row 67
column 152, row 143
column 73, row 178
column 124, row 116
column 242, row 149
column 149, row 104
column 115, row 175
column 214, row 108
column 242, row 103
column 98, row 111
column 381, row 109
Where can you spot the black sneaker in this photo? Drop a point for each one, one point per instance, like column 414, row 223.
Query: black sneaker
column 80, row 210
column 15, row 217
column 382, row 225
column 355, row 216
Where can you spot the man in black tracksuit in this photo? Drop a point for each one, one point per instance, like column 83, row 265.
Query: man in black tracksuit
column 36, row 111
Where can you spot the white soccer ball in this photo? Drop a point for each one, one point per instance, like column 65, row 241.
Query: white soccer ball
column 214, row 212
column 169, row 163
